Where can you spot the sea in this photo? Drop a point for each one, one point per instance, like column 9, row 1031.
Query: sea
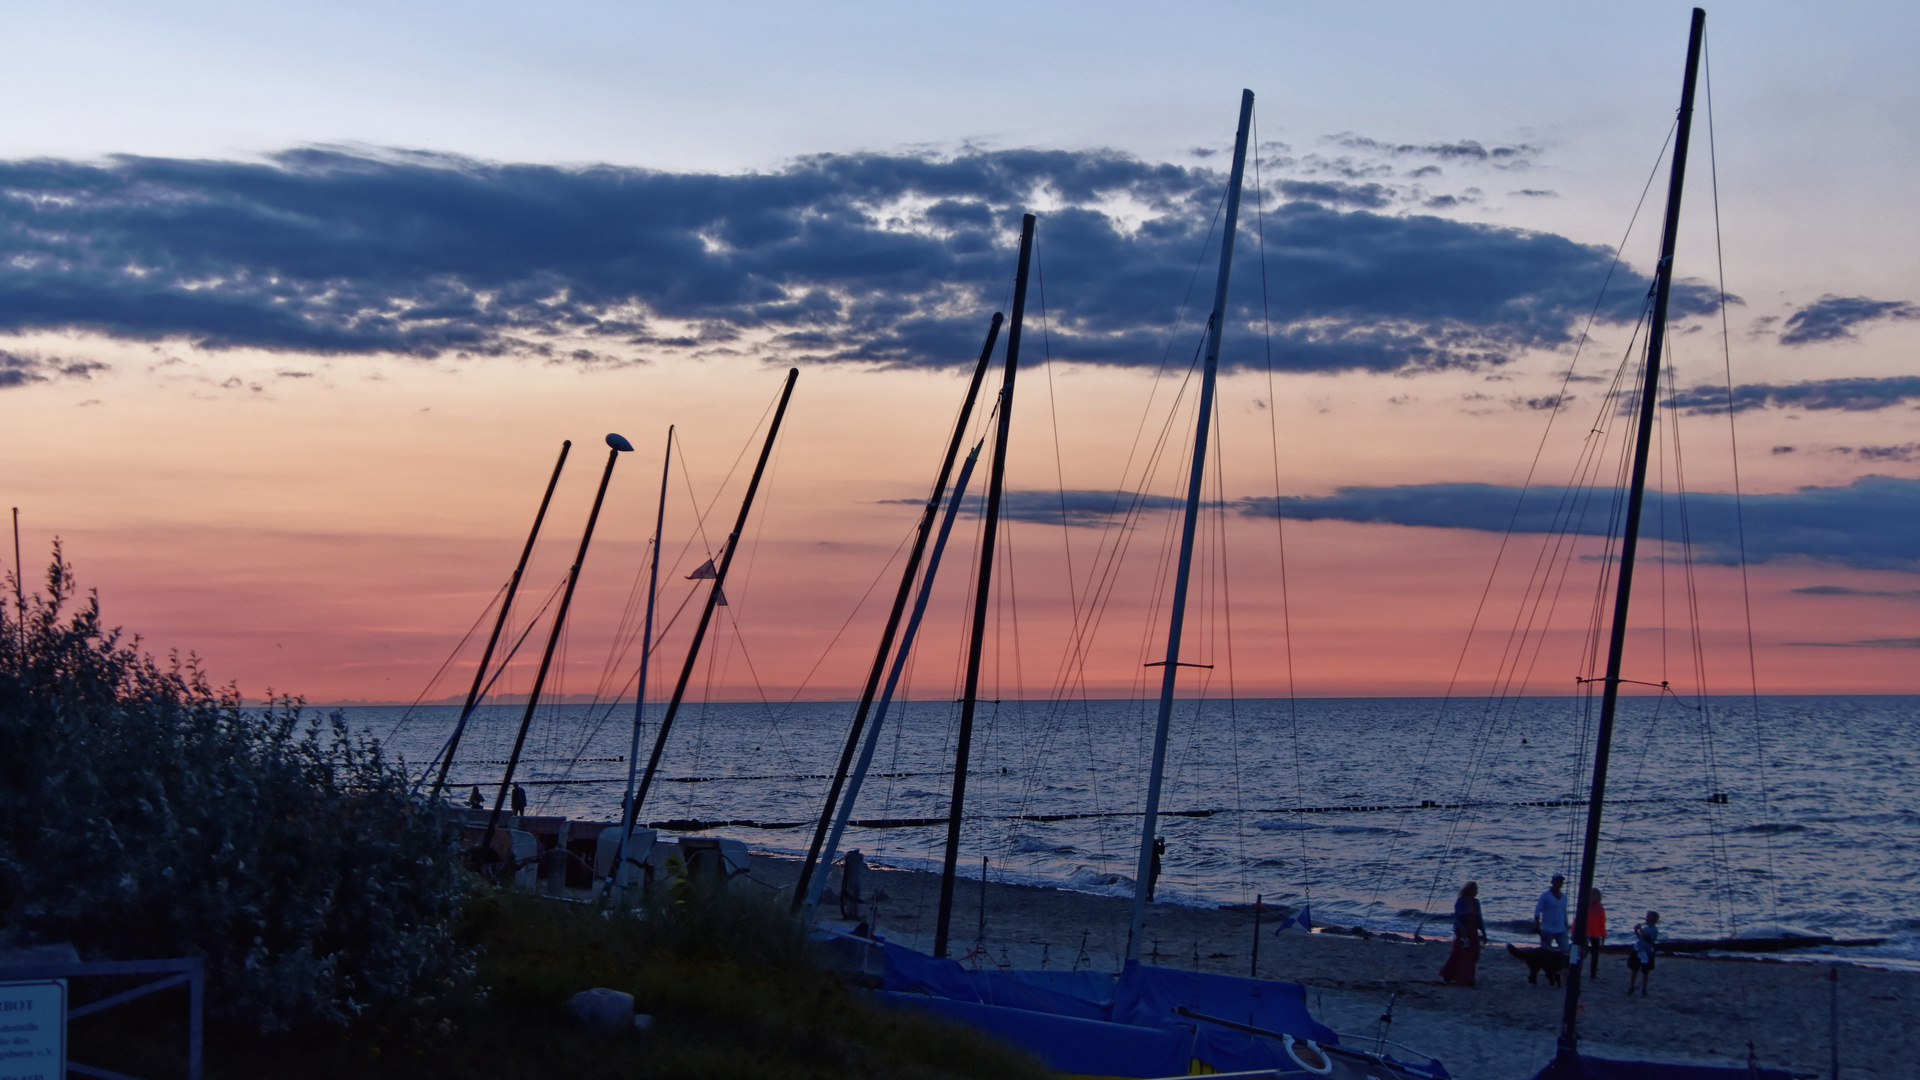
column 1730, row 816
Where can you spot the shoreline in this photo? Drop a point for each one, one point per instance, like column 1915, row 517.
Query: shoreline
column 1702, row 1009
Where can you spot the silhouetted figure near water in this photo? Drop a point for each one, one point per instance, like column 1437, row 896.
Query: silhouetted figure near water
column 1469, row 934
column 1153, row 868
column 519, row 800
column 852, row 869
column 474, row 801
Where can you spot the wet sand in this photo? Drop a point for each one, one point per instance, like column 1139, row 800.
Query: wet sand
column 1701, row 1010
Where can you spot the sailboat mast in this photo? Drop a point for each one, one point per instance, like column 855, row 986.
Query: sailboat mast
column 499, row 624
column 1177, row 614
column 984, row 593
column 19, row 589
column 859, row 774
column 713, row 598
column 1630, row 534
column 800, row 893
column 646, row 654
column 615, row 445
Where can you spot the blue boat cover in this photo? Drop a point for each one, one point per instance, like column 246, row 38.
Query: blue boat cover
column 1067, row 1044
column 909, row 972
column 1149, row 995
column 1094, row 1024
column 1085, row 985
column 1586, row 1068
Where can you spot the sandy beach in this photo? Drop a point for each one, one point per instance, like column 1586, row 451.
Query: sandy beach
column 1700, row 1011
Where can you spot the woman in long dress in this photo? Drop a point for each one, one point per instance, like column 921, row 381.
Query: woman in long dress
column 1469, row 933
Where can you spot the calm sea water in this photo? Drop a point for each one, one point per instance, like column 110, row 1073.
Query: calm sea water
column 1819, row 830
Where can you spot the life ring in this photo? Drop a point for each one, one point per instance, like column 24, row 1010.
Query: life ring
column 1307, row 1054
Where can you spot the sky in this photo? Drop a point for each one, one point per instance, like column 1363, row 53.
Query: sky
column 298, row 306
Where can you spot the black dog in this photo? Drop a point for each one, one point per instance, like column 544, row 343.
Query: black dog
column 1539, row 959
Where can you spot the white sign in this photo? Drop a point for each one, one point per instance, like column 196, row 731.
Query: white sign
column 33, row 1030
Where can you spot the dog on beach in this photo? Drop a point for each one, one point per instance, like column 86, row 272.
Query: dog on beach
column 1538, row 960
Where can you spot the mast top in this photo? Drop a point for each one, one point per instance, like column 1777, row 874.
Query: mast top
column 618, row 442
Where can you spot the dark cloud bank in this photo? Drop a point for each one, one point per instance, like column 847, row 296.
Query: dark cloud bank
column 1853, row 395
column 1872, row 523
column 19, row 369
column 1832, row 318
column 887, row 259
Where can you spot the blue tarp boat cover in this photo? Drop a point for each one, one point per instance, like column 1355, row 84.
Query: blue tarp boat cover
column 1067, row 1044
column 1149, row 995
column 909, row 972
column 1095, row 1024
column 1586, row 1068
column 1086, row 985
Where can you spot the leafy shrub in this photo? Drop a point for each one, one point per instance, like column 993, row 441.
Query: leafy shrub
column 144, row 813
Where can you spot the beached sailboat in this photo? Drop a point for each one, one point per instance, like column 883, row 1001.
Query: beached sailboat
column 1145, row 1021
column 1568, row 1062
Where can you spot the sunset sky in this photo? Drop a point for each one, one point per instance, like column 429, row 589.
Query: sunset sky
column 297, row 306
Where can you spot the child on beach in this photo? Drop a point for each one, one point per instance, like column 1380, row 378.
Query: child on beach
column 1640, row 961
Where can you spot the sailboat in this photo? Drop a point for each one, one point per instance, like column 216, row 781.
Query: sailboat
column 1568, row 1063
column 1145, row 1021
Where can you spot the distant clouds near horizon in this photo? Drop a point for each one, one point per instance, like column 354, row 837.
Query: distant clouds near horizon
column 1869, row 524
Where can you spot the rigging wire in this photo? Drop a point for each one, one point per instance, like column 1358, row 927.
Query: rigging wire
column 1560, row 400
column 448, row 662
column 1279, row 519
column 1739, row 511
column 499, row 669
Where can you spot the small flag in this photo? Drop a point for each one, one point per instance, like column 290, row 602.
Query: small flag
column 1304, row 920
column 722, row 601
column 706, row 571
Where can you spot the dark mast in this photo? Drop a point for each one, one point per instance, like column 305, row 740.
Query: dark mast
column 616, row 444
column 800, row 892
column 1630, row 534
column 706, row 613
column 499, row 624
column 984, row 594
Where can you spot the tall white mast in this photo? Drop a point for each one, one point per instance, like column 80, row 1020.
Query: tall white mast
column 1178, row 613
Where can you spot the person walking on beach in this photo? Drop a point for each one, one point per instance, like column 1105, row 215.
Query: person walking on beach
column 1640, row 960
column 1550, row 915
column 1596, row 933
column 519, row 800
column 1153, row 868
column 1469, row 933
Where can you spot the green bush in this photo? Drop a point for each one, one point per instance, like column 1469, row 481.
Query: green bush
column 144, row 813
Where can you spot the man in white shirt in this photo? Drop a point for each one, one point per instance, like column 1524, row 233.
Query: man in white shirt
column 1550, row 915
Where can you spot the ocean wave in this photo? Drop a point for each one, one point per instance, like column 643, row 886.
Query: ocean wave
column 1035, row 845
